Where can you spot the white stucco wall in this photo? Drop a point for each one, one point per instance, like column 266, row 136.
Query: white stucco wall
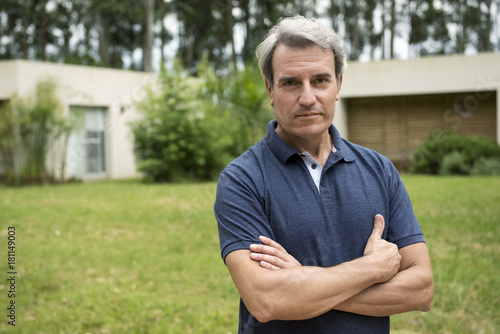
column 429, row 75
column 116, row 90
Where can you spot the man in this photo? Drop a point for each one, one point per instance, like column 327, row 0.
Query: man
column 318, row 234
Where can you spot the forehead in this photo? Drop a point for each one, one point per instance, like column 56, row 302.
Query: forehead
column 311, row 60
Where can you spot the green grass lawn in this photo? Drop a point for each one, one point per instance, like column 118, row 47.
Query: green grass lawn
column 127, row 257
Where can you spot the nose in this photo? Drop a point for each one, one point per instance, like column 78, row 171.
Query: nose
column 307, row 97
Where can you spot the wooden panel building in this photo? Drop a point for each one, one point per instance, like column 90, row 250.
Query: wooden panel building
column 390, row 106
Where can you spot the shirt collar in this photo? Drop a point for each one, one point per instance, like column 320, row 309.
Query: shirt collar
column 284, row 152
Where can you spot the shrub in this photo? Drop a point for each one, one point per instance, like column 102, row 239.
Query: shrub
column 170, row 139
column 430, row 155
column 190, row 129
column 242, row 94
column 454, row 163
column 486, row 166
column 30, row 129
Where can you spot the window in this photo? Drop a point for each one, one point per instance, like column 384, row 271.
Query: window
column 87, row 143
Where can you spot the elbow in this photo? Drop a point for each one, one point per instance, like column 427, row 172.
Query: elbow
column 426, row 307
column 262, row 310
column 275, row 302
column 427, row 297
column 262, row 317
column 270, row 306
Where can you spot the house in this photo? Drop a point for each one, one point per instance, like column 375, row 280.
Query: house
column 391, row 105
column 388, row 105
column 102, row 147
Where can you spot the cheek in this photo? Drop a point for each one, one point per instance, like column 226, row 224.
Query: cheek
column 328, row 100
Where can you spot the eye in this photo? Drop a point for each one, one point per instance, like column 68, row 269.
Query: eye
column 289, row 83
column 321, row 81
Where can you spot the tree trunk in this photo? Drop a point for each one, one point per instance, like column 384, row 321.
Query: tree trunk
column 488, row 28
column 230, row 32
column 393, row 27
column 148, row 36
column 461, row 33
column 104, row 40
column 384, row 27
column 163, row 32
column 43, row 21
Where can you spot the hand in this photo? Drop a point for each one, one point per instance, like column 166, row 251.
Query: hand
column 271, row 255
column 385, row 254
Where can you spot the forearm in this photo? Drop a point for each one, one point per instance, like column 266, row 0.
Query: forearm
column 302, row 292
column 410, row 290
column 307, row 292
column 289, row 291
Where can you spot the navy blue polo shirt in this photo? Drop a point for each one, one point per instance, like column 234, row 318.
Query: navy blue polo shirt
column 269, row 191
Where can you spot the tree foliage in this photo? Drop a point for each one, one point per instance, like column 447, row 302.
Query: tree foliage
column 190, row 129
column 123, row 34
column 29, row 130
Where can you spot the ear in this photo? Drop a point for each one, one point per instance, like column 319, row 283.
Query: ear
column 339, row 85
column 270, row 92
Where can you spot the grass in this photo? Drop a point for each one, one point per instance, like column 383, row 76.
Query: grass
column 126, row 257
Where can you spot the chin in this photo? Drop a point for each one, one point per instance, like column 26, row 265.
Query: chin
column 313, row 130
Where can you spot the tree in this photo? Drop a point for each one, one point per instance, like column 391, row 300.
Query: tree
column 485, row 26
column 429, row 33
column 243, row 94
column 149, row 6
column 21, row 21
column 178, row 138
column 114, row 33
column 30, row 128
column 259, row 16
column 120, row 27
column 465, row 15
column 392, row 27
column 355, row 19
column 164, row 35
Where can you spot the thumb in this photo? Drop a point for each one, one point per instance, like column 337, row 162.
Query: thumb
column 378, row 226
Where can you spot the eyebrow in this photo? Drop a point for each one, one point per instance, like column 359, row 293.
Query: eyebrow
column 320, row 75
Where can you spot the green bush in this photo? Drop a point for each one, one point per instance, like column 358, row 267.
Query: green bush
column 191, row 129
column 171, row 140
column 34, row 133
column 486, row 166
column 242, row 94
column 454, row 163
column 442, row 144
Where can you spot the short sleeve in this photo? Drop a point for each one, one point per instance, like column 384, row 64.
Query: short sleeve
column 404, row 228
column 239, row 210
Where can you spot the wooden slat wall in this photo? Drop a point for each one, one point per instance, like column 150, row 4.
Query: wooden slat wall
column 396, row 125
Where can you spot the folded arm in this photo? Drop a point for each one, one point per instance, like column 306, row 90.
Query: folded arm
column 295, row 292
column 411, row 289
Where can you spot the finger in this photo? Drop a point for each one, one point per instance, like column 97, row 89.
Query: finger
column 272, row 243
column 378, row 227
column 268, row 261
column 267, row 265
column 264, row 249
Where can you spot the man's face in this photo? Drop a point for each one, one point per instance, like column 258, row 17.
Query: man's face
column 304, row 92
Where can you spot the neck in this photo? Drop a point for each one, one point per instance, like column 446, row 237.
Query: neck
column 318, row 147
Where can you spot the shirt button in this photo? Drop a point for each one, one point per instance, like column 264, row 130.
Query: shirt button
column 322, row 183
column 313, row 166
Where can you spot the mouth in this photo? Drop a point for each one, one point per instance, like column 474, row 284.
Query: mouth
column 307, row 114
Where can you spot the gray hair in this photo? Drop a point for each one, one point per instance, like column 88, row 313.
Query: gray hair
column 299, row 32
